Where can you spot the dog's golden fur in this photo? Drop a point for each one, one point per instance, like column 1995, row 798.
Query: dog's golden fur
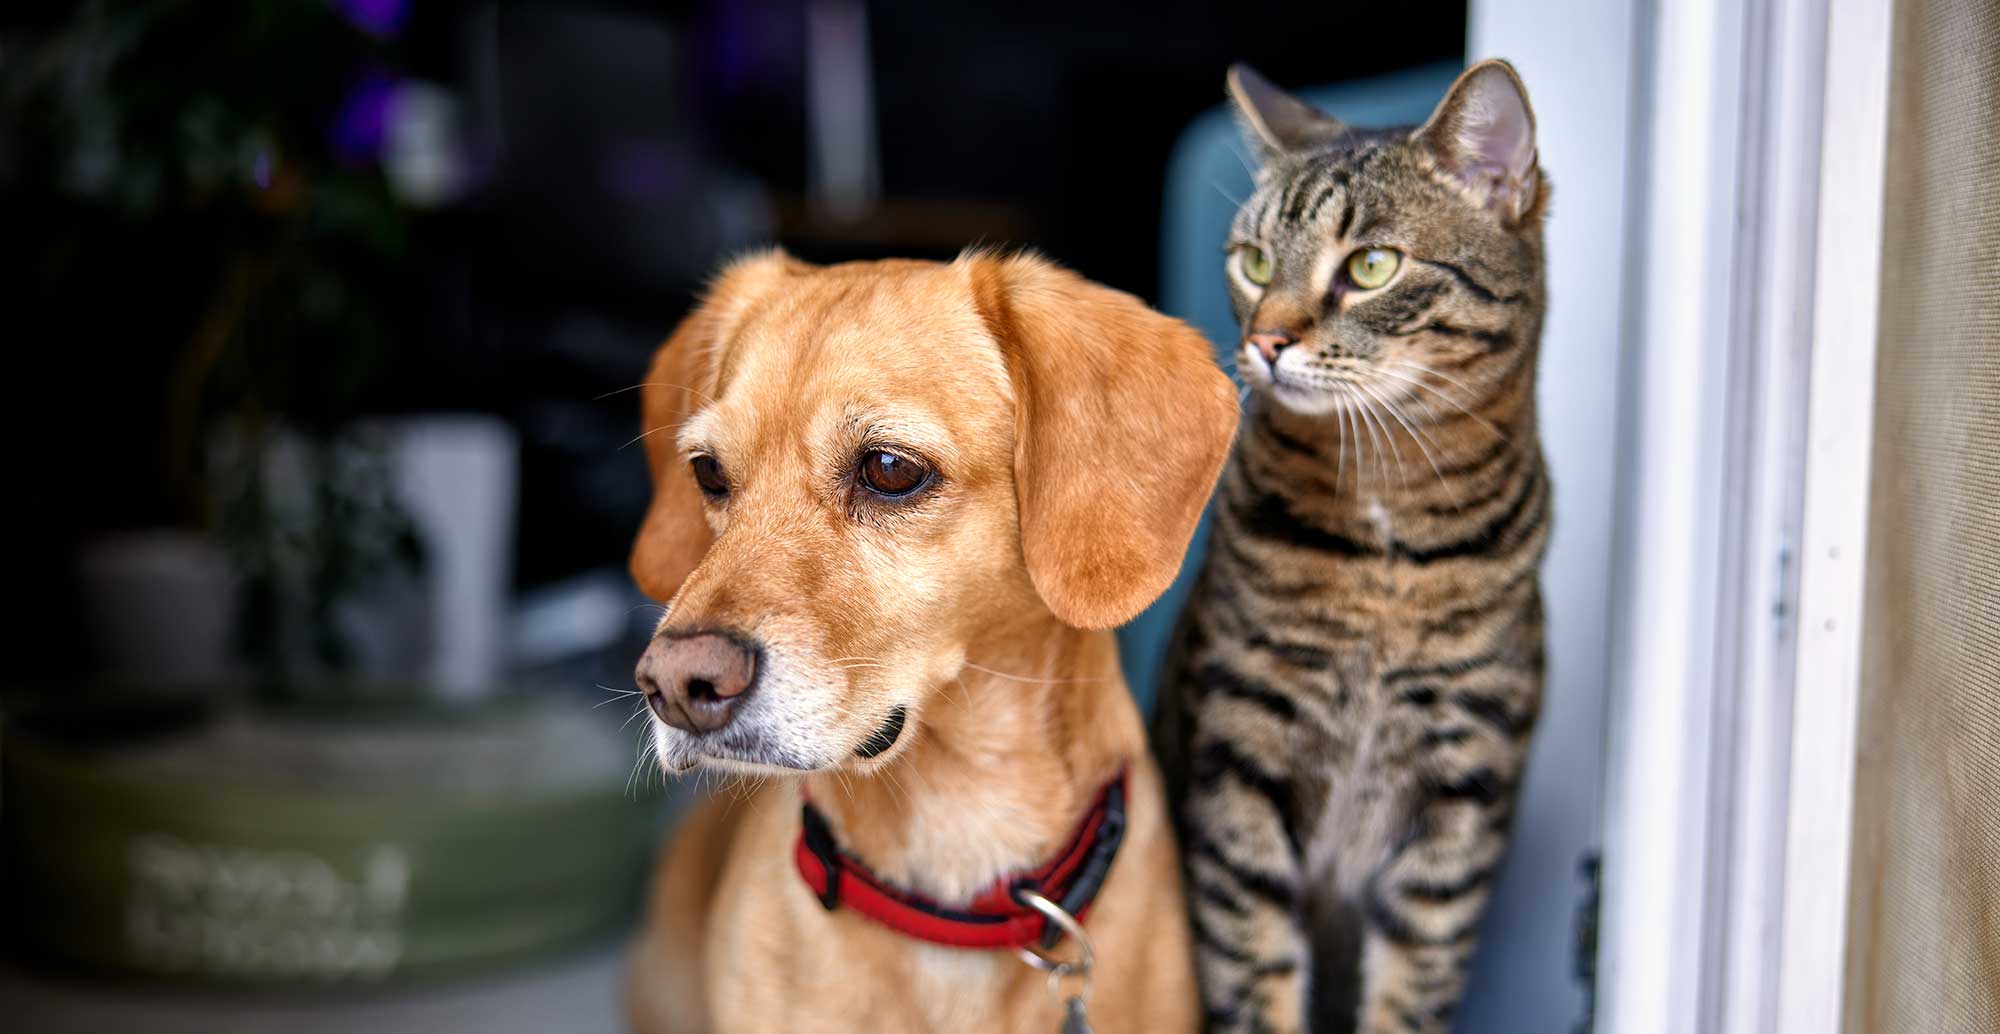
column 1075, row 436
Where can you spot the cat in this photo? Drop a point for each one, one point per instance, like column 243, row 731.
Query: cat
column 1354, row 681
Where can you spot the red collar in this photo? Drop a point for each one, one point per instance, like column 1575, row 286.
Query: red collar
column 993, row 919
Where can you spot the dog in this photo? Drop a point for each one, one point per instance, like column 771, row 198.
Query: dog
column 897, row 508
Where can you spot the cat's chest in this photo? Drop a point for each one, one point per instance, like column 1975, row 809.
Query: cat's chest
column 1381, row 524
column 1376, row 615
column 1356, row 689
column 1365, row 752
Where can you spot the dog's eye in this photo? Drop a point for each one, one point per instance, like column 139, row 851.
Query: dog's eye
column 887, row 474
column 708, row 474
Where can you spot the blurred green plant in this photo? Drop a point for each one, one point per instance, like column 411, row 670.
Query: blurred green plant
column 214, row 166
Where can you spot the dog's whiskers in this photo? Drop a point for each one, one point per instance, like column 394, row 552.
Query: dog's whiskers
column 639, row 755
column 1027, row 678
column 655, row 384
column 620, row 694
column 661, row 607
column 642, row 436
column 895, row 785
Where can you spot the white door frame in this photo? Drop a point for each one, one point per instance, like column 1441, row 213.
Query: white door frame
column 1749, row 401
column 1838, row 448
column 1684, row 261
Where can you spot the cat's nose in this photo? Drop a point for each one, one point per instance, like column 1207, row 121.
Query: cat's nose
column 1270, row 342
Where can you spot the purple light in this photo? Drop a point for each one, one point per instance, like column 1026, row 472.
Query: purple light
column 378, row 18
column 260, row 170
column 362, row 123
column 644, row 171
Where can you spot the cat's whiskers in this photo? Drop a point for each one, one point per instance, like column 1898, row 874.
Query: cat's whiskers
column 1340, row 442
column 1394, row 451
column 1374, row 424
column 1233, row 367
column 1363, row 479
column 1244, row 160
column 1417, row 436
column 1395, row 370
column 1439, row 374
column 1374, row 440
column 1428, row 417
column 1353, row 434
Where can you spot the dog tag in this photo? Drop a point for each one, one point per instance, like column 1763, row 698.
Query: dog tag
column 1074, row 1022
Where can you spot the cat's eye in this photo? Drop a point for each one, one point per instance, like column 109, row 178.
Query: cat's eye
column 887, row 474
column 1256, row 264
column 708, row 474
column 1370, row 268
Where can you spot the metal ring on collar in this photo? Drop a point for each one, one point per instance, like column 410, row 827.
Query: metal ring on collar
column 1057, row 968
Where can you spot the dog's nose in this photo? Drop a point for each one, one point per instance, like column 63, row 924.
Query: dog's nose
column 1270, row 342
column 694, row 683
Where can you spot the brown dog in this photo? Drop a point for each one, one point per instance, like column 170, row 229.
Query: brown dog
column 896, row 505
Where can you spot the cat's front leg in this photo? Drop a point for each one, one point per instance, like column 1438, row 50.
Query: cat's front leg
column 1423, row 906
column 1245, row 892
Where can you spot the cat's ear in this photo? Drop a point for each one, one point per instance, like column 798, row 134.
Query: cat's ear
column 1483, row 137
column 1275, row 121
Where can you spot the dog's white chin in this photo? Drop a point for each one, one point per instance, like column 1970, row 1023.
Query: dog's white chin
column 680, row 754
column 752, row 768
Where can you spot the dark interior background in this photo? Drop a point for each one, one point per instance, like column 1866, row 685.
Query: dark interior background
column 612, row 153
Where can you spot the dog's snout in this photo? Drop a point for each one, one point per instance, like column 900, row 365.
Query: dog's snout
column 695, row 683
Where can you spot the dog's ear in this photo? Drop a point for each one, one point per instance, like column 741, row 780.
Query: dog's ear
column 682, row 379
column 1122, row 421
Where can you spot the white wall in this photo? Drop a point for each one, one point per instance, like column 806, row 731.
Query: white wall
column 1576, row 57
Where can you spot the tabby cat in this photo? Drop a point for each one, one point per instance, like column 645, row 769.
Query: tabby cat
column 1348, row 707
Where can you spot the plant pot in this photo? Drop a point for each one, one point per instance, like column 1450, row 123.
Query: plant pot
column 316, row 844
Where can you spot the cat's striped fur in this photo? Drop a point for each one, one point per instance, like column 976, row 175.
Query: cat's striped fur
column 1355, row 679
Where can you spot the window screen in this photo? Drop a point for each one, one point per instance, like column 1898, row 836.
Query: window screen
column 1923, row 947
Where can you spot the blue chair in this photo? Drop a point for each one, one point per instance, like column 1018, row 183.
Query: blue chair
column 1207, row 176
